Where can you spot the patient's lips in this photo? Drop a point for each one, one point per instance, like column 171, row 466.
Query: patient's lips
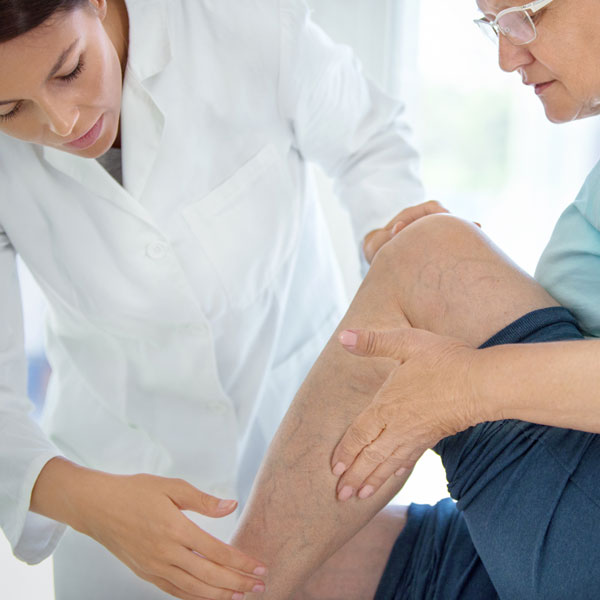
column 540, row 88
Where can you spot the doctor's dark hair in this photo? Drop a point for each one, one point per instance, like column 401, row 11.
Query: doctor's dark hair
column 20, row 16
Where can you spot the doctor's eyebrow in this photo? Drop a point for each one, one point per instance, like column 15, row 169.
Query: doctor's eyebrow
column 62, row 58
column 55, row 69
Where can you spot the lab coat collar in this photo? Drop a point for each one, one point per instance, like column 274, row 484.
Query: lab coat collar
column 142, row 128
column 149, row 40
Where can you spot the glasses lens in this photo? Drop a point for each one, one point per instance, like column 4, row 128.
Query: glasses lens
column 517, row 27
column 487, row 29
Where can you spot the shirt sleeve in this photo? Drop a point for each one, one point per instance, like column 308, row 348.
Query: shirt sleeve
column 570, row 265
column 24, row 448
column 345, row 123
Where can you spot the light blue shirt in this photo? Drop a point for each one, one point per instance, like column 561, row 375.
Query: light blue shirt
column 570, row 265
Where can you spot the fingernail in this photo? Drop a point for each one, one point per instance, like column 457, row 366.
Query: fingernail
column 259, row 588
column 401, row 472
column 238, row 596
column 339, row 469
column 348, row 338
column 260, row 571
column 226, row 504
column 346, row 493
column 366, row 492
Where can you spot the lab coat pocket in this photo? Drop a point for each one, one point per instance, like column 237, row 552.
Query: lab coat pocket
column 248, row 226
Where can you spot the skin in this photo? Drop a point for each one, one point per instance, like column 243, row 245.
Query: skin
column 377, row 238
column 565, row 53
column 443, row 385
column 441, row 274
column 53, row 111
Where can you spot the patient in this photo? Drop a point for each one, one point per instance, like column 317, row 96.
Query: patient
column 528, row 515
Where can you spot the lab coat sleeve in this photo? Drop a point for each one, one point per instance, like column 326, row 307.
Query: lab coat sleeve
column 345, row 124
column 24, row 448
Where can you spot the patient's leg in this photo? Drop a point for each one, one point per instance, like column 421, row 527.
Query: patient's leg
column 354, row 571
column 440, row 274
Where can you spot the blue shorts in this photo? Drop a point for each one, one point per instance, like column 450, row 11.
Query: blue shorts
column 526, row 525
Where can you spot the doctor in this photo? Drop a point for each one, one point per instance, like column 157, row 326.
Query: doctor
column 188, row 270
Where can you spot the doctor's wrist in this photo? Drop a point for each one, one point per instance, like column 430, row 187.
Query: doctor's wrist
column 63, row 490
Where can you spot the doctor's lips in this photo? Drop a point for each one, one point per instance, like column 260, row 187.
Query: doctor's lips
column 89, row 138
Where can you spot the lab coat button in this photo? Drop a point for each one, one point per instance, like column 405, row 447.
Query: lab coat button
column 156, row 250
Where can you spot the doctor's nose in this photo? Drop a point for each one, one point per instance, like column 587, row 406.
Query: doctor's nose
column 61, row 119
column 511, row 57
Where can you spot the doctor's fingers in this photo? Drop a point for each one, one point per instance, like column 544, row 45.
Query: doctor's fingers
column 187, row 497
column 194, row 588
column 173, row 590
column 377, row 238
column 413, row 213
column 218, row 552
column 201, row 569
column 374, row 241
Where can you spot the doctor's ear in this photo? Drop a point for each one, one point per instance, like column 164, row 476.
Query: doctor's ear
column 99, row 7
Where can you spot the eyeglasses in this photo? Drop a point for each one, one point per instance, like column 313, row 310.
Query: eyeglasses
column 514, row 23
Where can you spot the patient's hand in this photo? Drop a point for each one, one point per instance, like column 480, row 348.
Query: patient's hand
column 378, row 237
column 425, row 399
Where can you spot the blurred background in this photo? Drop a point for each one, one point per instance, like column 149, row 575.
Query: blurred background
column 488, row 154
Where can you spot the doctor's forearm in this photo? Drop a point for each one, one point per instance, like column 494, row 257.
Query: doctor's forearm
column 293, row 521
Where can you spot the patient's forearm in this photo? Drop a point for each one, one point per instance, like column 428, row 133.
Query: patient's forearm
column 558, row 384
column 293, row 520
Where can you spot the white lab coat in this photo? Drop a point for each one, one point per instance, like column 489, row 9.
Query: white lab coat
column 186, row 307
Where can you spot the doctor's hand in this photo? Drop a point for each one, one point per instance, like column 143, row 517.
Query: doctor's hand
column 378, row 237
column 426, row 398
column 139, row 519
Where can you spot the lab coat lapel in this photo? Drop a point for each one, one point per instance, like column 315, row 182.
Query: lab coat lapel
column 142, row 125
column 91, row 175
column 142, row 121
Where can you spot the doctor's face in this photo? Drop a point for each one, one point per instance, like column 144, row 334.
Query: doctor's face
column 61, row 83
column 561, row 64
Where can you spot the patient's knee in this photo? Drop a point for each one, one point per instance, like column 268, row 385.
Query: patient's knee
column 435, row 269
column 432, row 238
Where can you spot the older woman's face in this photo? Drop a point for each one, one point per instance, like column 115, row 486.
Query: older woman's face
column 562, row 65
column 60, row 84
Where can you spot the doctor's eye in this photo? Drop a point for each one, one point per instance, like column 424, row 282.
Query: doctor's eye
column 74, row 74
column 12, row 113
